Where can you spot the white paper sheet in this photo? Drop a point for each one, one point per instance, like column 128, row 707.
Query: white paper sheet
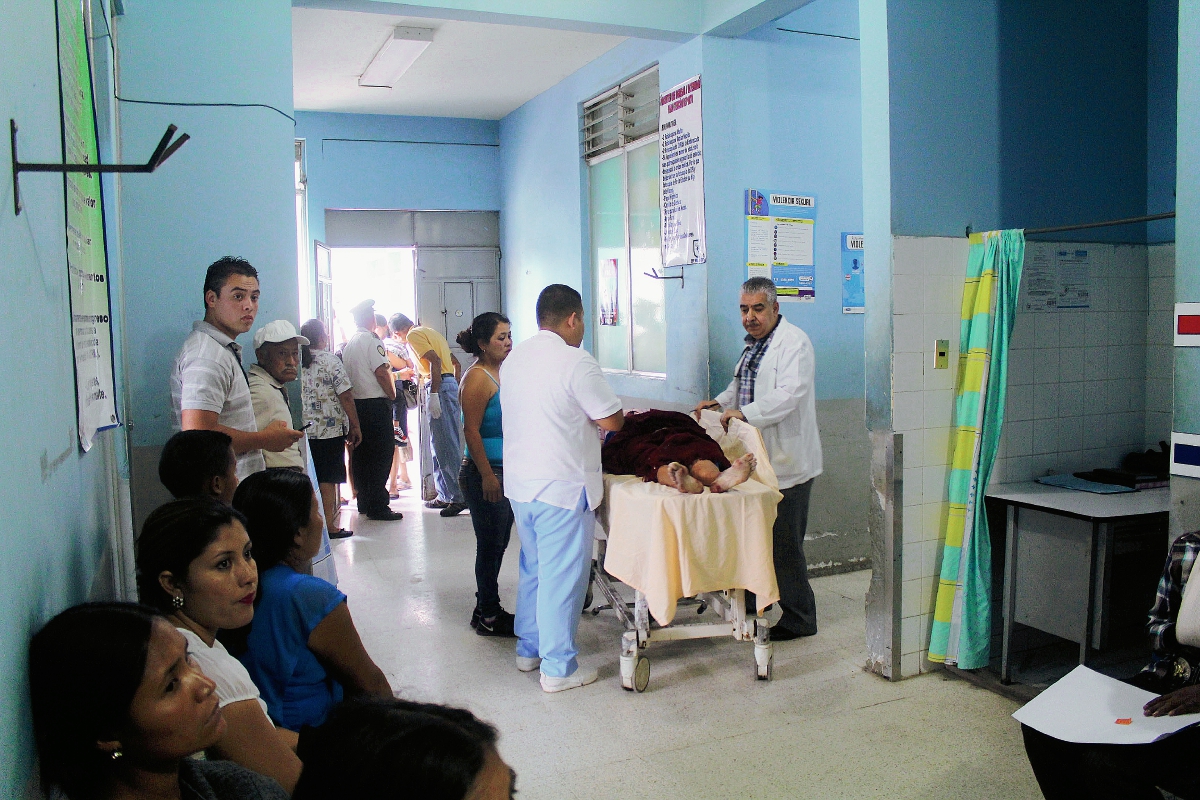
column 1089, row 708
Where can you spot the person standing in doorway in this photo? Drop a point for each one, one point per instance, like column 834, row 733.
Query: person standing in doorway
column 773, row 390
column 403, row 372
column 366, row 363
column 328, row 399
column 209, row 386
column 554, row 397
column 489, row 339
column 439, row 371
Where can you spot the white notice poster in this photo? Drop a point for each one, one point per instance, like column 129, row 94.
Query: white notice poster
column 682, row 160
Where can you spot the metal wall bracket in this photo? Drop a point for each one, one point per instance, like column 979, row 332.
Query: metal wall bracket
column 166, row 148
column 654, row 274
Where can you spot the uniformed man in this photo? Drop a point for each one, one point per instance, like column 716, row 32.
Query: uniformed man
column 370, row 373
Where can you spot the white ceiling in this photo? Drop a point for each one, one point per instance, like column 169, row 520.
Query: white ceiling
column 472, row 69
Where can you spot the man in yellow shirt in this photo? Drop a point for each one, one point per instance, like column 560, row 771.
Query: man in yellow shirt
column 439, row 371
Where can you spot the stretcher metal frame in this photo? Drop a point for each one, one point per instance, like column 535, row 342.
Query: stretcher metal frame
column 730, row 604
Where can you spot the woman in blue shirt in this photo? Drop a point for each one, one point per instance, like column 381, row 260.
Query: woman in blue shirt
column 302, row 648
column 489, row 339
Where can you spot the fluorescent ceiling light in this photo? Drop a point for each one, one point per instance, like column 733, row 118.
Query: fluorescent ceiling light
column 395, row 57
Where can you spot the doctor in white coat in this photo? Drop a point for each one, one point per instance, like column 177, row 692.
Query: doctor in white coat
column 773, row 390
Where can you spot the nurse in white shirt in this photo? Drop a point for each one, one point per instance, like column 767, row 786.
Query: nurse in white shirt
column 773, row 388
column 553, row 396
column 195, row 565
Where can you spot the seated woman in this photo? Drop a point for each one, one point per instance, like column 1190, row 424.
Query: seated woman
column 194, row 565
column 1069, row 770
column 302, row 647
column 393, row 749
column 672, row 449
column 118, row 707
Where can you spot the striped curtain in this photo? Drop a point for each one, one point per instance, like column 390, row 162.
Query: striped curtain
column 962, row 616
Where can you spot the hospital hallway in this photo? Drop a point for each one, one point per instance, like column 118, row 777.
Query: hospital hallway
column 704, row 728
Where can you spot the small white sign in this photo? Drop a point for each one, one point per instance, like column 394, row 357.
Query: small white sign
column 793, row 200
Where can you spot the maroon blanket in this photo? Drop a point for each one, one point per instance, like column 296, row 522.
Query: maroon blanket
column 654, row 439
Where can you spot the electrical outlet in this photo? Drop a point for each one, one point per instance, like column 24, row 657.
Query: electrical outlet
column 941, row 354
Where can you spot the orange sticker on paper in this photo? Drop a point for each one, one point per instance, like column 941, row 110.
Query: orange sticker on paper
column 1125, row 721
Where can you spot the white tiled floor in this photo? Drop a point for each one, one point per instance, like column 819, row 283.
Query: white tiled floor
column 704, row 728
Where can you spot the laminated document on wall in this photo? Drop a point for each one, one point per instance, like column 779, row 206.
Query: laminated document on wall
column 1056, row 277
column 681, row 142
column 779, row 242
column 854, row 293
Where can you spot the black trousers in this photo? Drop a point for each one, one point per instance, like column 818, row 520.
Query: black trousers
column 372, row 459
column 493, row 526
column 1066, row 771
column 791, row 569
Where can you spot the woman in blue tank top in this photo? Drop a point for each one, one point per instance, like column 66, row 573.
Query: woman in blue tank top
column 482, row 477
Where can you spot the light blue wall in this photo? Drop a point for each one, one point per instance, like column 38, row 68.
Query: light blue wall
column 1162, row 57
column 795, row 99
column 1187, row 223
column 228, row 191
column 377, row 161
column 943, row 70
column 792, row 127
column 58, row 500
column 1073, row 116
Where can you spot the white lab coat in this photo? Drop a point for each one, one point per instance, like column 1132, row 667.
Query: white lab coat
column 785, row 407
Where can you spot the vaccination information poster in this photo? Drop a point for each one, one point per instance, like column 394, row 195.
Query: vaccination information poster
column 682, row 158
column 87, row 257
column 779, row 242
column 854, row 294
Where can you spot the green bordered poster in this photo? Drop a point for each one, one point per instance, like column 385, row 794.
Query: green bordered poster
column 87, row 255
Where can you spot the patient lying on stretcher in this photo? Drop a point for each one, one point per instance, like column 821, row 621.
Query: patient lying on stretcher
column 671, row 448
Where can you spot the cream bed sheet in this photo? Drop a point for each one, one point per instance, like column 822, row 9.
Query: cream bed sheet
column 670, row 545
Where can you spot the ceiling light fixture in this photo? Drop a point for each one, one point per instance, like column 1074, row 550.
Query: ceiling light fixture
column 398, row 53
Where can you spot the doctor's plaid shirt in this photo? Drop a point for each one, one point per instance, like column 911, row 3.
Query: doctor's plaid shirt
column 747, row 368
column 1165, row 611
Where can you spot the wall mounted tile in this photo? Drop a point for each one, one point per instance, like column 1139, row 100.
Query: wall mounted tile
column 906, row 294
column 1045, row 365
column 908, row 333
column 908, row 372
column 907, row 411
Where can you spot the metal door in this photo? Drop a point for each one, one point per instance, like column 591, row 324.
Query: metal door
column 459, row 310
column 454, row 284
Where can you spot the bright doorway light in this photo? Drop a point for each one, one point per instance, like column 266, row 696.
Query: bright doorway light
column 383, row 274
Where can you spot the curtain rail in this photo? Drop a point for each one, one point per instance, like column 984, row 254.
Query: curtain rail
column 1106, row 224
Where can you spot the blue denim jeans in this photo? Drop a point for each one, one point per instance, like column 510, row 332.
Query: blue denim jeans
column 493, row 528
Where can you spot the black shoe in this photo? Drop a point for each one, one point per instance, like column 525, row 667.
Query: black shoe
column 386, row 516
column 499, row 625
column 782, row 634
column 437, row 502
column 453, row 510
column 475, row 618
column 344, row 533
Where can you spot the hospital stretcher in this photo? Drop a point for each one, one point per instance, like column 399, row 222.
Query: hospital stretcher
column 703, row 551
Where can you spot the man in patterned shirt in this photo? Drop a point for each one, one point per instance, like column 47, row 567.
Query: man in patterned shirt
column 774, row 390
column 209, row 387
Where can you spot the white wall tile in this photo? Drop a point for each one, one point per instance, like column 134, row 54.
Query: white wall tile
column 1018, row 438
column 907, row 411
column 933, row 480
column 1020, row 469
column 908, row 255
column 937, row 446
column 1045, row 330
column 1045, row 365
column 912, row 486
column 1045, row 401
column 1045, row 436
column 1070, row 434
column 1021, row 367
column 908, row 333
column 1023, row 333
column 908, row 372
column 906, row 294
column 1071, row 399
column 1095, row 361
column 1020, row 403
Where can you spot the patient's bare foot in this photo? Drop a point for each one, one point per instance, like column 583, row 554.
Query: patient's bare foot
column 677, row 476
column 738, row 472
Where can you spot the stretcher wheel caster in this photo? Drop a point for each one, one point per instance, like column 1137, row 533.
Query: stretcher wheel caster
column 587, row 600
column 641, row 675
column 764, row 658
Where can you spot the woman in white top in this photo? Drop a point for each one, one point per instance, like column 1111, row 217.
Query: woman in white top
column 195, row 565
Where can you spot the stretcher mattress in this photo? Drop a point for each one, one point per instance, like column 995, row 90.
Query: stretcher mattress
column 669, row 545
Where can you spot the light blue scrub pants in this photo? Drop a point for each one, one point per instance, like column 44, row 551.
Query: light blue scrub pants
column 556, row 560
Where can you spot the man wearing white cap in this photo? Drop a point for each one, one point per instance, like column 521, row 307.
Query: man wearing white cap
column 277, row 348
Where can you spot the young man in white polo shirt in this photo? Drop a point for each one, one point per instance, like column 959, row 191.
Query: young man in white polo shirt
column 554, row 396
column 209, row 387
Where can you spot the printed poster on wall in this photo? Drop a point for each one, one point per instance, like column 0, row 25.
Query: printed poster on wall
column 87, row 257
column 854, row 294
column 779, row 242
column 608, row 292
column 1055, row 278
column 682, row 154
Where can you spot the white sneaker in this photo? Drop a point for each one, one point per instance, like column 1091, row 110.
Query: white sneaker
column 528, row 663
column 580, row 677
